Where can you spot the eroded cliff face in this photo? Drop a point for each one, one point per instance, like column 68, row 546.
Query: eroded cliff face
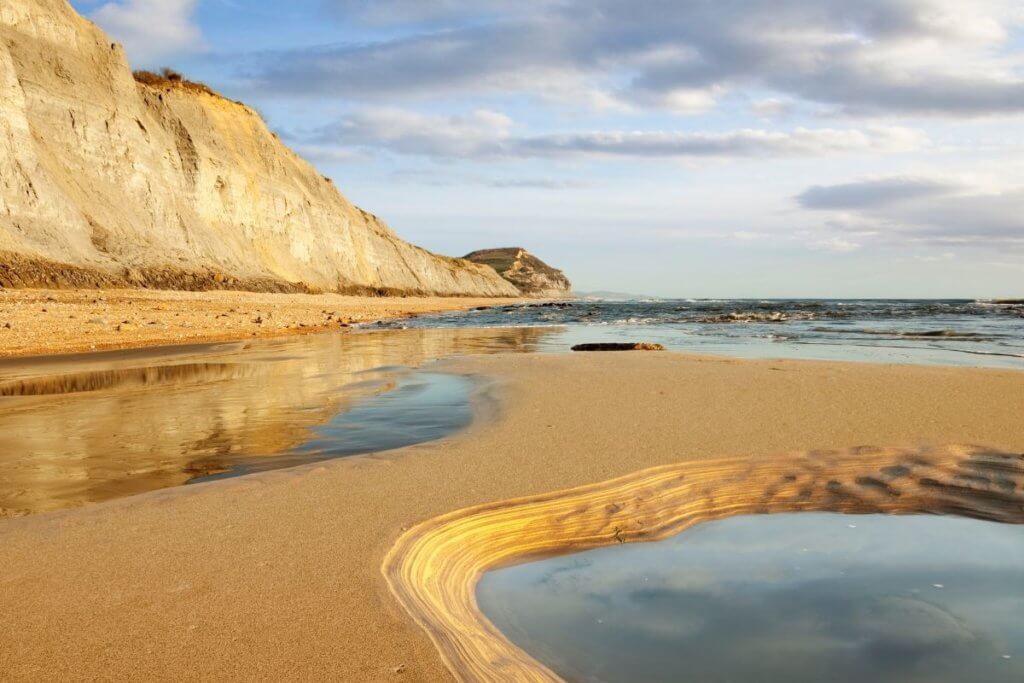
column 106, row 181
column 531, row 276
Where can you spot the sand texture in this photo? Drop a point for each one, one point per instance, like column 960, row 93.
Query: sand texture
column 36, row 322
column 435, row 567
column 278, row 575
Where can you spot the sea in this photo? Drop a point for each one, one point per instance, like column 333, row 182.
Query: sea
column 961, row 332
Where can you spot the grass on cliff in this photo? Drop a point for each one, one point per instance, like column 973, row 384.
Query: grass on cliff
column 169, row 78
column 498, row 259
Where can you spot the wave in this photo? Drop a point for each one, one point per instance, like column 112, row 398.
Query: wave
column 908, row 334
column 774, row 316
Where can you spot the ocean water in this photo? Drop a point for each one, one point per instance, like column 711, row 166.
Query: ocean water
column 947, row 332
column 793, row 598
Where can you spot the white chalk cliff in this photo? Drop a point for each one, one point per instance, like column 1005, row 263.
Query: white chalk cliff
column 104, row 180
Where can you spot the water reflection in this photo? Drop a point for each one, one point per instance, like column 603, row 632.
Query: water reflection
column 83, row 429
column 794, row 597
column 413, row 408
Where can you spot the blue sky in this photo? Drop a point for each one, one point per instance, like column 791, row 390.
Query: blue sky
column 671, row 147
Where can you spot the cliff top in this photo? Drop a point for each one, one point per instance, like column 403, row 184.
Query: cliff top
column 528, row 273
column 501, row 259
column 168, row 78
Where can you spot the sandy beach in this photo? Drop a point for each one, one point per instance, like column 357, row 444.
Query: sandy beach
column 338, row 339
column 279, row 575
column 39, row 321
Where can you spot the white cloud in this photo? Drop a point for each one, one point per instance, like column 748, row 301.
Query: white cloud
column 771, row 107
column 800, row 142
column 480, row 133
column 151, row 29
column 484, row 134
column 838, row 244
column 874, row 193
column 921, row 211
column 946, row 57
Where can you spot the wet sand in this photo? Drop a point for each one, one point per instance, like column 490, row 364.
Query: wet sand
column 279, row 575
column 435, row 567
column 37, row 322
column 77, row 429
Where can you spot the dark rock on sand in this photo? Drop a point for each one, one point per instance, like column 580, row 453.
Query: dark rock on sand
column 628, row 346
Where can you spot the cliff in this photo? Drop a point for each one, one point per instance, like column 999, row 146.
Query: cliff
column 530, row 275
column 106, row 181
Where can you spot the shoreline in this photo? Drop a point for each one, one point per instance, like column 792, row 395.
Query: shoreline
column 279, row 574
column 47, row 322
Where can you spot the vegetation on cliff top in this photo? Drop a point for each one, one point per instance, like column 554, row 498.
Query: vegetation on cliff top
column 528, row 273
column 169, row 78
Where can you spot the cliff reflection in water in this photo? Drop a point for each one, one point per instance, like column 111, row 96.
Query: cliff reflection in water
column 86, row 429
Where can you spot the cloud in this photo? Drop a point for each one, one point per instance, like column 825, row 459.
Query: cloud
column 151, row 29
column 480, row 133
column 484, row 134
column 800, row 142
column 771, row 107
column 921, row 211
column 869, row 194
column 945, row 57
column 419, row 12
column 536, row 184
column 435, row 177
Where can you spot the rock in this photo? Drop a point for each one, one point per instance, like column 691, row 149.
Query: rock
column 531, row 276
column 8, row 326
column 104, row 174
column 97, row 321
column 626, row 346
column 755, row 317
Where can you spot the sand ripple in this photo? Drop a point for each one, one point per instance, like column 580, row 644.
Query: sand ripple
column 434, row 568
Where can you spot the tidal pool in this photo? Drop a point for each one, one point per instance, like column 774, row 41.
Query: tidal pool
column 87, row 428
column 789, row 597
column 412, row 408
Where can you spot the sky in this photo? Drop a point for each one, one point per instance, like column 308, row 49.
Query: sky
column 691, row 148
